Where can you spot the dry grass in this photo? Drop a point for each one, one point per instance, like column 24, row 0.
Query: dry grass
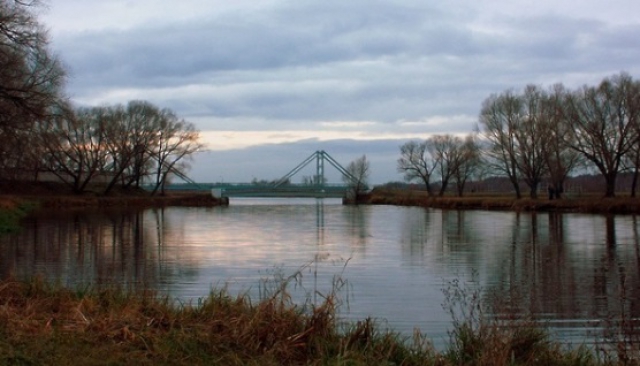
column 44, row 324
column 585, row 203
column 513, row 338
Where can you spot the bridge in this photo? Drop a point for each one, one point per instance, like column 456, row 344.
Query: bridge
column 262, row 190
column 315, row 187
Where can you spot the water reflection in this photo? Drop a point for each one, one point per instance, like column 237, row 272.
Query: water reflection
column 90, row 247
column 357, row 218
column 571, row 270
column 575, row 280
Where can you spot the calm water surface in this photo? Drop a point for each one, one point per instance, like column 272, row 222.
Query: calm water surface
column 571, row 270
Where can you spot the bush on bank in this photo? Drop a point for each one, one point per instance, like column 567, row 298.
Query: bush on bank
column 11, row 211
column 45, row 324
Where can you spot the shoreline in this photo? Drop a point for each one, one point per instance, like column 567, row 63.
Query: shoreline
column 190, row 199
column 53, row 197
column 11, row 202
column 49, row 195
column 13, row 207
column 592, row 204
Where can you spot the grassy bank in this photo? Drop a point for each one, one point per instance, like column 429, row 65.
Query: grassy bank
column 48, row 195
column 585, row 203
column 45, row 324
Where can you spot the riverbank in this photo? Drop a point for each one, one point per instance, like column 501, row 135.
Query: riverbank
column 584, row 204
column 46, row 195
column 17, row 200
column 46, row 324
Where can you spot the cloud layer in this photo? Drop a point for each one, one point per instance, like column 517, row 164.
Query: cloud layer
column 285, row 71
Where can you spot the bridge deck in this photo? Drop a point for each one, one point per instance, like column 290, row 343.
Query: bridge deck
column 259, row 190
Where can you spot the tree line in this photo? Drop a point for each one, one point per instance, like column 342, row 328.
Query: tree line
column 43, row 135
column 538, row 135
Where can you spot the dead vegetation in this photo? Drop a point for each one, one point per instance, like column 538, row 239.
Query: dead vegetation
column 46, row 324
column 584, row 203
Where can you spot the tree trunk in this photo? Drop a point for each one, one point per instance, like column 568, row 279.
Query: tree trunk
column 559, row 189
column 164, row 181
column 428, row 186
column 113, row 182
column 610, row 181
column 460, row 189
column 533, row 193
column 634, row 182
column 516, row 187
column 443, row 187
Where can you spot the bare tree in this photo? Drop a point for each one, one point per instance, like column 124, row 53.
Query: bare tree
column 359, row 175
column 176, row 140
column 75, row 145
column 453, row 157
column 442, row 149
column 116, row 144
column 560, row 159
column 603, row 122
column 120, row 144
column 417, row 163
column 515, row 127
column 31, row 78
column 468, row 163
column 631, row 160
column 631, row 163
column 499, row 121
column 130, row 135
column 531, row 134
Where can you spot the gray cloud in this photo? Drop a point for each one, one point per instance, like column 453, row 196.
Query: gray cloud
column 292, row 37
column 285, row 65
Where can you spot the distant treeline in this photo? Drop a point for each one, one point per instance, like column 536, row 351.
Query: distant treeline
column 586, row 184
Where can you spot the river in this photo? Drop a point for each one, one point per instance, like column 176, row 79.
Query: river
column 573, row 272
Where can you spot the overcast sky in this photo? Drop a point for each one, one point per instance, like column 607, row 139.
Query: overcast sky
column 269, row 82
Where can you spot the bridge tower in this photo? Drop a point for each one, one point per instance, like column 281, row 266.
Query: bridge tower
column 320, row 157
column 319, row 178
